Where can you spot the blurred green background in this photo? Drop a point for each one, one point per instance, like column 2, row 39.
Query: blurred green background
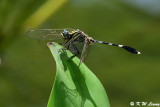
column 27, row 69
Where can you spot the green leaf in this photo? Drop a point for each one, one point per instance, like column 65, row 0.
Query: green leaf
column 74, row 86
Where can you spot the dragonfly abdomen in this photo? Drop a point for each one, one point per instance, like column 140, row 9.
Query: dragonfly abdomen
column 127, row 48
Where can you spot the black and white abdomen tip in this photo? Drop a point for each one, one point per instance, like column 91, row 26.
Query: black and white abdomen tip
column 130, row 49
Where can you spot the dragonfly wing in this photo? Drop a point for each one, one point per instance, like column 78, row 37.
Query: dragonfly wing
column 47, row 35
column 83, row 50
column 38, row 33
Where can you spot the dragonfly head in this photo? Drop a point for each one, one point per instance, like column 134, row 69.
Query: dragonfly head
column 65, row 34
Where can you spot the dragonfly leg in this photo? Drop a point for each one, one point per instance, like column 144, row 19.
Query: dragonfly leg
column 64, row 45
column 68, row 46
column 76, row 49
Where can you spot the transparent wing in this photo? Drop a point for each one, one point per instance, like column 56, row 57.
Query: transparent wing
column 83, row 51
column 47, row 35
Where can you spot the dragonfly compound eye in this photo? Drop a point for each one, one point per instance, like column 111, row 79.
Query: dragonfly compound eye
column 65, row 34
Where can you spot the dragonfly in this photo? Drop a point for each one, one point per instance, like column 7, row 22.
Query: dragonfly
column 74, row 40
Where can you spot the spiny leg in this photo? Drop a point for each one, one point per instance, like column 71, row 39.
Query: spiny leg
column 71, row 40
column 68, row 46
column 74, row 48
column 129, row 49
column 67, row 43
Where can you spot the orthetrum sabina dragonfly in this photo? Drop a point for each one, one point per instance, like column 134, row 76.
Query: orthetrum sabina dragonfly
column 73, row 40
